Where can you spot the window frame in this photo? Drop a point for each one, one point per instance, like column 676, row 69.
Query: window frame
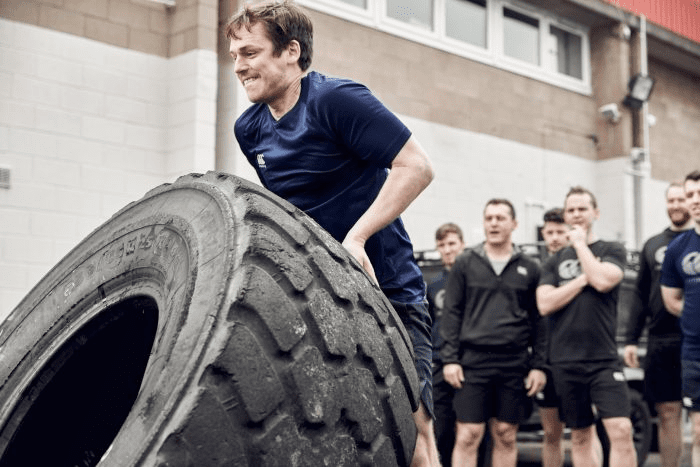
column 375, row 16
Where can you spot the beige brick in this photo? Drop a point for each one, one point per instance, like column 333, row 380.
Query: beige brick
column 148, row 42
column 62, row 20
column 124, row 12
column 207, row 39
column 104, row 31
column 191, row 39
column 19, row 10
column 177, row 45
column 183, row 19
column 51, row 2
column 208, row 16
column 96, row 8
column 151, row 5
column 158, row 22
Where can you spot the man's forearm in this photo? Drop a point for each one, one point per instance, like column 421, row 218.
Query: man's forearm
column 602, row 276
column 551, row 299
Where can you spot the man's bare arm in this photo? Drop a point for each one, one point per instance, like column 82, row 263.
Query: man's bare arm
column 551, row 299
column 673, row 299
column 411, row 172
column 602, row 276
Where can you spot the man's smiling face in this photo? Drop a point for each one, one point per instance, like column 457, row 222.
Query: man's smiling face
column 265, row 76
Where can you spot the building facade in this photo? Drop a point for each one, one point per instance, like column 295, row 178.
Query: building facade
column 102, row 100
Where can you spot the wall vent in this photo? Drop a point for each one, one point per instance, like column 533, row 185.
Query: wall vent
column 5, row 177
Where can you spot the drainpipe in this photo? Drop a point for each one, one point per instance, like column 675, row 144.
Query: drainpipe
column 641, row 159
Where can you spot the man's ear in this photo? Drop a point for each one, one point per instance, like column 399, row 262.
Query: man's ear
column 294, row 50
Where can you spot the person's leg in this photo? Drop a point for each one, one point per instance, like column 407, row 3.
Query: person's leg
column 444, row 418
column 552, row 452
column 663, row 388
column 622, row 452
column 695, row 420
column 467, row 440
column 425, row 453
column 670, row 435
column 416, row 319
column 583, row 449
column 505, row 448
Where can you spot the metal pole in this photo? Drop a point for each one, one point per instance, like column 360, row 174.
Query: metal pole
column 638, row 162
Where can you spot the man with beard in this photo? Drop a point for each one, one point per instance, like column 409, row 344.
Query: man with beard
column 662, row 365
column 680, row 290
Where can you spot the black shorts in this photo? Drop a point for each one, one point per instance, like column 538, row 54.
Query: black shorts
column 583, row 386
column 691, row 385
column 416, row 319
column 662, row 371
column 547, row 398
column 492, row 393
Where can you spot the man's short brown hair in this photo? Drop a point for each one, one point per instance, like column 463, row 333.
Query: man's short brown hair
column 501, row 201
column 555, row 215
column 283, row 21
column 694, row 176
column 446, row 229
column 579, row 190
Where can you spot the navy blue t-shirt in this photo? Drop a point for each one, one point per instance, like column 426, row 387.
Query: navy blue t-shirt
column 681, row 270
column 329, row 156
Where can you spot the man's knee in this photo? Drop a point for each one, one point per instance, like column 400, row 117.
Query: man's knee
column 618, row 429
column 469, row 434
column 669, row 412
column 582, row 436
column 504, row 434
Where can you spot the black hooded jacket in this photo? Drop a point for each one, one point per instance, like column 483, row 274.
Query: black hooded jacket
column 492, row 321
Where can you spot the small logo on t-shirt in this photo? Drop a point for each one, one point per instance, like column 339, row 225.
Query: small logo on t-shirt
column 569, row 269
column 659, row 256
column 261, row 160
column 440, row 299
column 691, row 263
column 619, row 376
column 522, row 270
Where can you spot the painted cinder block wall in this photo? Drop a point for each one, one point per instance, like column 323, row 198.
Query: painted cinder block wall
column 100, row 101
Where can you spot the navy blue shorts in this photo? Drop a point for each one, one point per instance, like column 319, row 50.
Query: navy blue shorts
column 416, row 319
column 691, row 385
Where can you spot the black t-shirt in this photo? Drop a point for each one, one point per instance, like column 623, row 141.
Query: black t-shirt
column 650, row 304
column 584, row 329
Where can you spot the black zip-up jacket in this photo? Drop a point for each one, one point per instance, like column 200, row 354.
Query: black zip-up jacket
column 491, row 321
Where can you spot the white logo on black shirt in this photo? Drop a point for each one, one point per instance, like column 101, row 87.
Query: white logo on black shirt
column 659, row 255
column 261, row 160
column 569, row 269
column 522, row 270
column 691, row 263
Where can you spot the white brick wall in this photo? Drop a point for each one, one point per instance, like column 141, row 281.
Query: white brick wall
column 87, row 128
column 471, row 168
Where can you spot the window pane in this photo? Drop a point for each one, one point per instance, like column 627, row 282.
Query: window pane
column 415, row 12
column 521, row 36
column 466, row 21
column 567, row 52
column 358, row 3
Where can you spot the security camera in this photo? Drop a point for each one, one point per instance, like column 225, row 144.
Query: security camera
column 610, row 112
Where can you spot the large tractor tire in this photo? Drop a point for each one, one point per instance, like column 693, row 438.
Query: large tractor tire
column 208, row 324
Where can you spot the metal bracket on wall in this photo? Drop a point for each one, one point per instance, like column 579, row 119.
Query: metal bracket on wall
column 5, row 177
